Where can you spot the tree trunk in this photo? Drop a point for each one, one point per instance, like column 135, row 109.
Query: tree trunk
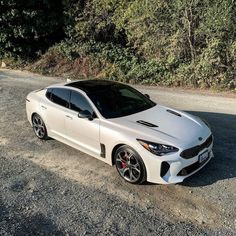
column 190, row 29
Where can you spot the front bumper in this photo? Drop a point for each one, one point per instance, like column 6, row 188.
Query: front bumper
column 176, row 168
column 175, row 175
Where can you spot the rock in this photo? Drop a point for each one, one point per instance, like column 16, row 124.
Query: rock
column 132, row 81
column 64, row 191
column 31, row 190
column 3, row 64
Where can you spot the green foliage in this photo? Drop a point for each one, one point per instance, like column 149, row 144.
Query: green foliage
column 159, row 42
column 171, row 42
column 29, row 27
column 114, row 62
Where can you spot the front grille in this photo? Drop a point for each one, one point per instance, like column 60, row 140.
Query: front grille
column 192, row 152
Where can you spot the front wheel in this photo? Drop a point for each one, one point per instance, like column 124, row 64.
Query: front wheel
column 130, row 165
column 39, row 127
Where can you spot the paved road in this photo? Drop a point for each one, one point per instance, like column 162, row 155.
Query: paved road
column 50, row 188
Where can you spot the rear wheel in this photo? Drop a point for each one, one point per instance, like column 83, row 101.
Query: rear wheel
column 130, row 165
column 39, row 127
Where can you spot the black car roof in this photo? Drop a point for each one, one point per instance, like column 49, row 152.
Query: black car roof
column 90, row 86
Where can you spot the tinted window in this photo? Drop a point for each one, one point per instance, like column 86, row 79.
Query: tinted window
column 60, row 96
column 48, row 93
column 79, row 103
column 120, row 100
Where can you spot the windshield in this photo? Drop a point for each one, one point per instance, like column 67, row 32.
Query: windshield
column 119, row 100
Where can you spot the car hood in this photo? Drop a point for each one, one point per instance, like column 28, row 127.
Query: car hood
column 166, row 124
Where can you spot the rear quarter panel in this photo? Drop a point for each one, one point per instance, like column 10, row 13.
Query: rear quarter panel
column 33, row 101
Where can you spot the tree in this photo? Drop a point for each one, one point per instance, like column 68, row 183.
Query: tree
column 28, row 27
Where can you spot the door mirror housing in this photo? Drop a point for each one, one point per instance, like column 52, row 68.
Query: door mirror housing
column 85, row 114
column 147, row 95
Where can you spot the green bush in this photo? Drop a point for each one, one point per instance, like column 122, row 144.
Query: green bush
column 172, row 42
column 28, row 28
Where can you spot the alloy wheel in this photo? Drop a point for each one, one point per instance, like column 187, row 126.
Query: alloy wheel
column 39, row 127
column 128, row 166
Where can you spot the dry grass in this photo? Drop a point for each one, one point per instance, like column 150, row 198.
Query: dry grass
column 52, row 63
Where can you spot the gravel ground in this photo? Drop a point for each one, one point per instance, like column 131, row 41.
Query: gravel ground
column 48, row 188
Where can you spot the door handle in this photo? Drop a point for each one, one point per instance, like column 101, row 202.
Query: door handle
column 69, row 117
column 44, row 108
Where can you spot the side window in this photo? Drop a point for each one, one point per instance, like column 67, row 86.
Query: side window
column 60, row 96
column 49, row 93
column 79, row 103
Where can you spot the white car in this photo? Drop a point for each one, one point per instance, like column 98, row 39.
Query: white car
column 119, row 125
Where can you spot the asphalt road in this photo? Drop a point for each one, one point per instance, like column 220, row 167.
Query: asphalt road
column 48, row 188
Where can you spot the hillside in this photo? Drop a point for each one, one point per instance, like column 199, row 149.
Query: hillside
column 170, row 43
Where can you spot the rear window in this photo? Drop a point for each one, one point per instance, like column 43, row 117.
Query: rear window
column 60, row 96
column 49, row 93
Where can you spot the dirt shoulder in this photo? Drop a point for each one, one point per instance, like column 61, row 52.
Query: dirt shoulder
column 199, row 91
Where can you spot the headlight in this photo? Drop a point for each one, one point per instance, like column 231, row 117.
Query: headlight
column 157, row 148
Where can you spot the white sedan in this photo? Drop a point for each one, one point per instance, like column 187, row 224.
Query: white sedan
column 119, row 125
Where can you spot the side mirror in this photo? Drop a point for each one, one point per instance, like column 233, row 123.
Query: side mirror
column 147, row 95
column 85, row 114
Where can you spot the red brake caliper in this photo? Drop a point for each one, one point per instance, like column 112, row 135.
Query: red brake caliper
column 123, row 164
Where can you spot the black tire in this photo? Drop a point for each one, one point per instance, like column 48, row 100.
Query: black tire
column 39, row 127
column 130, row 165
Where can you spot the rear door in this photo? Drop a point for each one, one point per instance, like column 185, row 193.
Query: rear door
column 82, row 132
column 55, row 109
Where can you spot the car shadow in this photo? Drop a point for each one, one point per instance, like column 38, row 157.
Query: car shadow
column 223, row 165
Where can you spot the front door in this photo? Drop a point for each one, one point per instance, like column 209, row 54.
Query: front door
column 82, row 132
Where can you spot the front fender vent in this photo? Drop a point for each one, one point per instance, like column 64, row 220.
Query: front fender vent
column 173, row 112
column 103, row 150
column 142, row 122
